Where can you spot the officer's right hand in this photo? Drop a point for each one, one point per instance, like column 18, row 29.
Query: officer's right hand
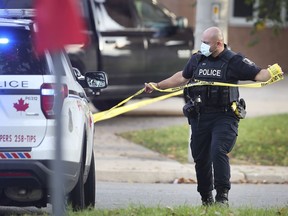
column 149, row 88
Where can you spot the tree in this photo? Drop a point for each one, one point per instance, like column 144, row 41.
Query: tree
column 267, row 11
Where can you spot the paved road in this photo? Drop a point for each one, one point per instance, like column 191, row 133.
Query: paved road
column 111, row 195
column 120, row 195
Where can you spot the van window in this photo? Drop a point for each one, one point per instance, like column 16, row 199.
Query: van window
column 120, row 12
column 151, row 15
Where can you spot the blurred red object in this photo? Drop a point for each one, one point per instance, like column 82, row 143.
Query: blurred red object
column 58, row 23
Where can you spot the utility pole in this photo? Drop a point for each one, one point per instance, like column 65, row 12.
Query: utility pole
column 209, row 13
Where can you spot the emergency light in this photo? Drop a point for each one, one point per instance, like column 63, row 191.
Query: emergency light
column 4, row 40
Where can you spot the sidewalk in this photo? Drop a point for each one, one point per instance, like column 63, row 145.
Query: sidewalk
column 119, row 160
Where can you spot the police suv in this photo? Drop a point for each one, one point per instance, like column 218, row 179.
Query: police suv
column 27, row 126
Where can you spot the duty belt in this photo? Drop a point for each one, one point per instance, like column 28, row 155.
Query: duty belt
column 212, row 109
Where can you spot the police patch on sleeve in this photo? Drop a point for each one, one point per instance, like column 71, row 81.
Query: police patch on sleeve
column 248, row 61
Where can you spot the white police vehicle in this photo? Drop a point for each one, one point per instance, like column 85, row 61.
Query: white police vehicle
column 27, row 125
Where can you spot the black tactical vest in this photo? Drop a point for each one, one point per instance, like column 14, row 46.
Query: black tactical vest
column 214, row 71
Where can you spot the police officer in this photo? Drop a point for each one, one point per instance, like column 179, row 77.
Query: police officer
column 214, row 125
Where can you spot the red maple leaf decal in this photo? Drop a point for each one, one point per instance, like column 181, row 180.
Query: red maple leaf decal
column 21, row 106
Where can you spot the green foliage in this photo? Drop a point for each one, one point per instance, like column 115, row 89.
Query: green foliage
column 268, row 11
column 261, row 140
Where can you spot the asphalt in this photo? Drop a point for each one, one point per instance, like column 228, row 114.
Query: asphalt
column 119, row 160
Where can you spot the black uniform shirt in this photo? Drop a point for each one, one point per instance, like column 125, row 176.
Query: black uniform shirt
column 239, row 68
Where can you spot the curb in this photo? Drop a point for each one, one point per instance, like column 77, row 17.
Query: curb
column 146, row 171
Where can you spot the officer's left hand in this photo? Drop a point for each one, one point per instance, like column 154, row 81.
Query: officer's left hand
column 275, row 70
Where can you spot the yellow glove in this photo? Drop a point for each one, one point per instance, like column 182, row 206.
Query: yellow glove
column 275, row 70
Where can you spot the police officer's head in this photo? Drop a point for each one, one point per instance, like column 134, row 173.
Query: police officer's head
column 212, row 42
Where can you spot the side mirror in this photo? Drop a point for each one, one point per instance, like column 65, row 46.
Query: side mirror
column 182, row 22
column 96, row 80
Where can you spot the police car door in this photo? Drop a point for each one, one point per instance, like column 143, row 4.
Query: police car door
column 75, row 114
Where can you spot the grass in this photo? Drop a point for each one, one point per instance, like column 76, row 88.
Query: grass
column 261, row 141
column 183, row 211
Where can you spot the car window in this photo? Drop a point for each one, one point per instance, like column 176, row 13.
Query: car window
column 152, row 16
column 116, row 14
column 17, row 56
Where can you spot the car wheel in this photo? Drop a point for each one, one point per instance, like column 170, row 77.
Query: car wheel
column 102, row 105
column 77, row 194
column 90, row 185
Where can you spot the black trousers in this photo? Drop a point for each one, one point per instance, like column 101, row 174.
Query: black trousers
column 213, row 137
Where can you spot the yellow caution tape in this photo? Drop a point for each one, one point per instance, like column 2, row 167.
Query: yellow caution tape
column 120, row 110
column 117, row 110
column 274, row 70
column 248, row 85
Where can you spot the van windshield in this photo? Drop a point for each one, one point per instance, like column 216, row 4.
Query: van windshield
column 152, row 16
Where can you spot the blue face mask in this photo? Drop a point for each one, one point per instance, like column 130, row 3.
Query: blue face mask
column 205, row 49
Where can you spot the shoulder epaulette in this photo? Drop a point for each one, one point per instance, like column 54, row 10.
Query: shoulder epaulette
column 227, row 55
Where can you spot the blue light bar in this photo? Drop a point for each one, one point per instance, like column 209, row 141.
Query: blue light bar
column 4, row 40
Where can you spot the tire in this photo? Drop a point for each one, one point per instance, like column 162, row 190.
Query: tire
column 90, row 185
column 103, row 105
column 77, row 198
